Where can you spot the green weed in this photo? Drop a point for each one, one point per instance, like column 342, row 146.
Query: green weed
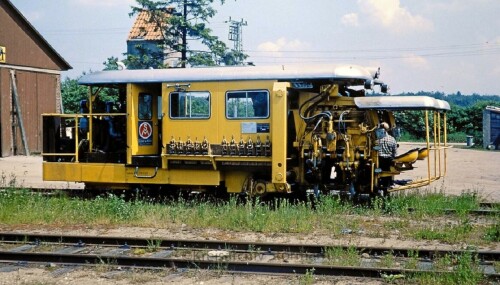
column 430, row 204
column 388, row 260
column 307, row 278
column 342, row 256
column 413, row 260
column 153, row 245
column 447, row 233
column 461, row 269
column 493, row 233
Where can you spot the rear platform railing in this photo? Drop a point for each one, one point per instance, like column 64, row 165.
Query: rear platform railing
column 65, row 136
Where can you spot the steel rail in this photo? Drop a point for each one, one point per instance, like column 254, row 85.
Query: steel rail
column 487, row 255
column 478, row 212
column 235, row 266
column 489, row 205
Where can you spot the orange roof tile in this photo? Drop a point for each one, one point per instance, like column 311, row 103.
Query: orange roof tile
column 144, row 29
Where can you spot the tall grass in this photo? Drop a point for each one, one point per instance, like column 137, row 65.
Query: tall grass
column 18, row 207
column 328, row 216
column 431, row 204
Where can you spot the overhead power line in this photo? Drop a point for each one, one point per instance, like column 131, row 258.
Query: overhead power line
column 382, row 54
column 400, row 49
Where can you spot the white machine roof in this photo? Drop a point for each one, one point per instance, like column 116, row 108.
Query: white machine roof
column 281, row 72
column 401, row 103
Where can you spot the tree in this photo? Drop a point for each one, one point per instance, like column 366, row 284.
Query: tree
column 186, row 21
column 111, row 63
column 72, row 94
column 145, row 59
column 474, row 115
column 411, row 123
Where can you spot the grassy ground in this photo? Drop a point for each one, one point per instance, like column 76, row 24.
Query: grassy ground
column 426, row 221
column 385, row 218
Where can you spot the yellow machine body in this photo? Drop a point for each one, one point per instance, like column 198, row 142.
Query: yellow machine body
column 241, row 129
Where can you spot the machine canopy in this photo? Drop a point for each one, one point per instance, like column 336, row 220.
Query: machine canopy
column 401, row 103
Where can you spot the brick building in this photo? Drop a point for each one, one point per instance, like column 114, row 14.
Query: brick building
column 30, row 66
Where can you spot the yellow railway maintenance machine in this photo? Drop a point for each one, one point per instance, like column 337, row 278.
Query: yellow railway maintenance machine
column 253, row 130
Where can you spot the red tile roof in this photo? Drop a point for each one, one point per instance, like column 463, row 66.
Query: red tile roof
column 145, row 29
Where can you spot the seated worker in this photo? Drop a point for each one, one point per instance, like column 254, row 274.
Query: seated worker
column 388, row 148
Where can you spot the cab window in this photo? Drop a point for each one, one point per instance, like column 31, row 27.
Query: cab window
column 190, row 105
column 247, row 104
column 145, row 106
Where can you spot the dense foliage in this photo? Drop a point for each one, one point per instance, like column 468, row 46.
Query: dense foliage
column 464, row 119
column 73, row 94
column 457, row 99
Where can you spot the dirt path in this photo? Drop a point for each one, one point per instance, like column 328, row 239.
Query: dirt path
column 468, row 170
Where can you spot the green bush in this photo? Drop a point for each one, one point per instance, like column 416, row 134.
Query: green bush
column 407, row 137
column 458, row 137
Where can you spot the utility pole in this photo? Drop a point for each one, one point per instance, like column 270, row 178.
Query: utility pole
column 236, row 32
column 184, row 35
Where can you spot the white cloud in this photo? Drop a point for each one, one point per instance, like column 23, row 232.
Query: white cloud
column 394, row 17
column 105, row 3
column 350, row 20
column 282, row 44
column 279, row 50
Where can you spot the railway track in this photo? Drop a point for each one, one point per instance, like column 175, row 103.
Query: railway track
column 226, row 255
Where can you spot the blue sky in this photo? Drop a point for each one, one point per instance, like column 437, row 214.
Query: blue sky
column 446, row 45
